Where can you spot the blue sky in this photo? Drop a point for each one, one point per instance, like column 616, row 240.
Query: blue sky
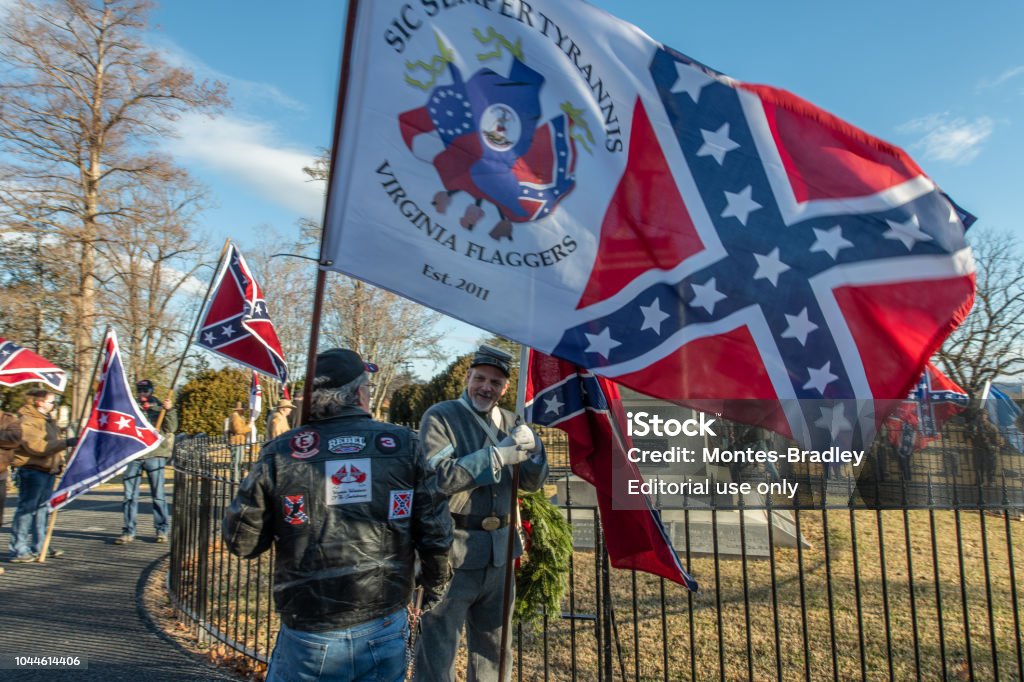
column 940, row 79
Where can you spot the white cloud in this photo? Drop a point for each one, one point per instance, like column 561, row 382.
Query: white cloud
column 947, row 138
column 251, row 92
column 249, row 151
column 1005, row 76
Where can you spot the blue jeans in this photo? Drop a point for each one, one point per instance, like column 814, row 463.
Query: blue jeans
column 369, row 651
column 154, row 469
column 29, row 525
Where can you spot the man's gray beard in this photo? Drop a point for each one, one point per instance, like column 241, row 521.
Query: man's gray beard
column 476, row 406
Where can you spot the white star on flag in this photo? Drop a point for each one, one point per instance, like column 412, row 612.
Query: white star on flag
column 717, row 144
column 601, row 343
column 908, row 232
column 820, row 378
column 706, row 296
column 833, row 420
column 553, row 405
column 799, row 327
column 690, row 80
column 830, row 241
column 740, row 205
column 653, row 316
column 769, row 266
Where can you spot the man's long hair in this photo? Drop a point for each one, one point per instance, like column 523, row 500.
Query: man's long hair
column 328, row 402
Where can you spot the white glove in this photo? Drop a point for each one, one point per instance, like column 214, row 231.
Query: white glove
column 507, row 455
column 525, row 438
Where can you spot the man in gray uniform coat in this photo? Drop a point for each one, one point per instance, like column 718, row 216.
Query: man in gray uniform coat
column 472, row 445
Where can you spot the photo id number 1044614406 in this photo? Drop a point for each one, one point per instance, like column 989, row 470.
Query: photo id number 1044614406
column 460, row 283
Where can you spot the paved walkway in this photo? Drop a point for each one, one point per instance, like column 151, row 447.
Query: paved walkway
column 87, row 603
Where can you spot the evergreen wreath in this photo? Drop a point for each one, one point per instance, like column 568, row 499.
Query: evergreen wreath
column 542, row 577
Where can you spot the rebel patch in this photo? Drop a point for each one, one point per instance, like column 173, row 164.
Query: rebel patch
column 304, row 444
column 386, row 443
column 344, row 445
column 295, row 509
column 348, row 481
column 401, row 504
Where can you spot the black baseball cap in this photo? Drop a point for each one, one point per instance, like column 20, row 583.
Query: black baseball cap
column 495, row 357
column 338, row 366
column 144, row 386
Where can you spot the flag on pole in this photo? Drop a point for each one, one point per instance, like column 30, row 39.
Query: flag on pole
column 932, row 402
column 236, row 323
column 588, row 408
column 21, row 366
column 554, row 175
column 1005, row 415
column 116, row 433
column 255, row 395
column 255, row 405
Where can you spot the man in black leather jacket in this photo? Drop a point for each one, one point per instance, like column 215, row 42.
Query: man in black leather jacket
column 348, row 503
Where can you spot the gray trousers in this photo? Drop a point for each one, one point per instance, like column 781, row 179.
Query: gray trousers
column 474, row 598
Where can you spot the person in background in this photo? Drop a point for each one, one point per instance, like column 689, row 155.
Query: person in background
column 153, row 464
column 10, row 437
column 39, row 458
column 278, row 420
column 347, row 503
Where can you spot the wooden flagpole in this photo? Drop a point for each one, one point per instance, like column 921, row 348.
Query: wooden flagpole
column 506, row 600
column 81, row 419
column 321, row 275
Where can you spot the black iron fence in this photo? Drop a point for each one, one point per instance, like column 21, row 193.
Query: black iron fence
column 829, row 591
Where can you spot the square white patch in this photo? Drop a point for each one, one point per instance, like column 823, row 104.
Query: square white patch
column 348, row 481
column 400, row 504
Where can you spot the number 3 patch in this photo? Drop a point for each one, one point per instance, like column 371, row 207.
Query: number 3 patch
column 386, row 443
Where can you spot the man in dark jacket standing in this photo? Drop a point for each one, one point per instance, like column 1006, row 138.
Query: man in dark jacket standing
column 39, row 458
column 348, row 503
column 153, row 463
column 472, row 444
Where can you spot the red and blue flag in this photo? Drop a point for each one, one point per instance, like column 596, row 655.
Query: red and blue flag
column 21, row 366
column 116, row 433
column 589, row 409
column 725, row 245
column 236, row 323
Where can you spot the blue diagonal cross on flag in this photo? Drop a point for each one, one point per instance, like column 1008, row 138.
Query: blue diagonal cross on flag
column 116, row 433
column 236, row 323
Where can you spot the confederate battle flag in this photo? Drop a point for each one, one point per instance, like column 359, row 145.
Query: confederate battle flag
column 21, row 366
column 236, row 323
column 117, row 432
column 558, row 177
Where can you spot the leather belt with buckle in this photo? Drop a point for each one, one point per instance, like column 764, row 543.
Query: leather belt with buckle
column 471, row 522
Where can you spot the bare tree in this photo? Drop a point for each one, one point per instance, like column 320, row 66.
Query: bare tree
column 33, row 300
column 82, row 104
column 383, row 327
column 989, row 343
column 146, row 269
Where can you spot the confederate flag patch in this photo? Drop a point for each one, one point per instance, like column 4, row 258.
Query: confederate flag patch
column 401, row 504
column 295, row 510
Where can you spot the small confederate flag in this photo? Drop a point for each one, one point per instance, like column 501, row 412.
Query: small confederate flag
column 117, row 432
column 236, row 323
column 930, row 404
column 583, row 405
column 21, row 366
